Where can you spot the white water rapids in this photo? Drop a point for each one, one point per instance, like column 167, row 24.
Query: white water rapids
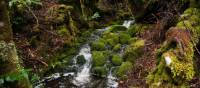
column 83, row 75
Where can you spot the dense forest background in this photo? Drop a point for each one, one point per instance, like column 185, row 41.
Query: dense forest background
column 108, row 43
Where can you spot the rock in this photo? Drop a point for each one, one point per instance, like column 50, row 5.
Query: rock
column 124, row 38
column 134, row 50
column 112, row 39
column 123, row 69
column 81, row 60
column 100, row 71
column 117, row 47
column 98, row 45
column 116, row 60
column 116, row 28
column 98, row 58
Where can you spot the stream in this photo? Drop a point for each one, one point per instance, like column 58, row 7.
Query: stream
column 82, row 77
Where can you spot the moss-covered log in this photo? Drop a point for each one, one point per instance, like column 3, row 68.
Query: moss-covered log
column 175, row 65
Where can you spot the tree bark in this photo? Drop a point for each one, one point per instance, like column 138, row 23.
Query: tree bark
column 12, row 74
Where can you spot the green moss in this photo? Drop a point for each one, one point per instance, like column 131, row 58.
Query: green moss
column 63, row 31
column 133, row 51
column 116, row 28
column 100, row 71
column 124, row 38
column 134, row 29
column 123, row 69
column 180, row 70
column 98, row 58
column 112, row 39
column 117, row 47
column 98, row 45
column 116, row 60
column 132, row 40
column 58, row 13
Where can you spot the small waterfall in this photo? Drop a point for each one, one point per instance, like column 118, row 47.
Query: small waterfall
column 127, row 23
column 83, row 75
column 112, row 83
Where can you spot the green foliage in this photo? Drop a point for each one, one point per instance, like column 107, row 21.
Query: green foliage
column 100, row 71
column 21, row 75
column 124, row 38
column 98, row 58
column 123, row 69
column 116, row 60
column 34, row 77
column 99, row 45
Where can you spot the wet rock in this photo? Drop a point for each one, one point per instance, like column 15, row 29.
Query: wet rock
column 81, row 60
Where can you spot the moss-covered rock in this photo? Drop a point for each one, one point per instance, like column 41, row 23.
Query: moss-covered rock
column 100, row 71
column 134, row 29
column 99, row 45
column 112, row 39
column 116, row 60
column 116, row 28
column 133, row 51
column 117, row 47
column 98, row 58
column 124, row 37
column 124, row 69
column 81, row 60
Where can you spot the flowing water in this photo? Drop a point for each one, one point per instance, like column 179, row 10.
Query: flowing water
column 82, row 77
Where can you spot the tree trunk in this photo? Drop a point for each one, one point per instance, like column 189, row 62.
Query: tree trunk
column 12, row 74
